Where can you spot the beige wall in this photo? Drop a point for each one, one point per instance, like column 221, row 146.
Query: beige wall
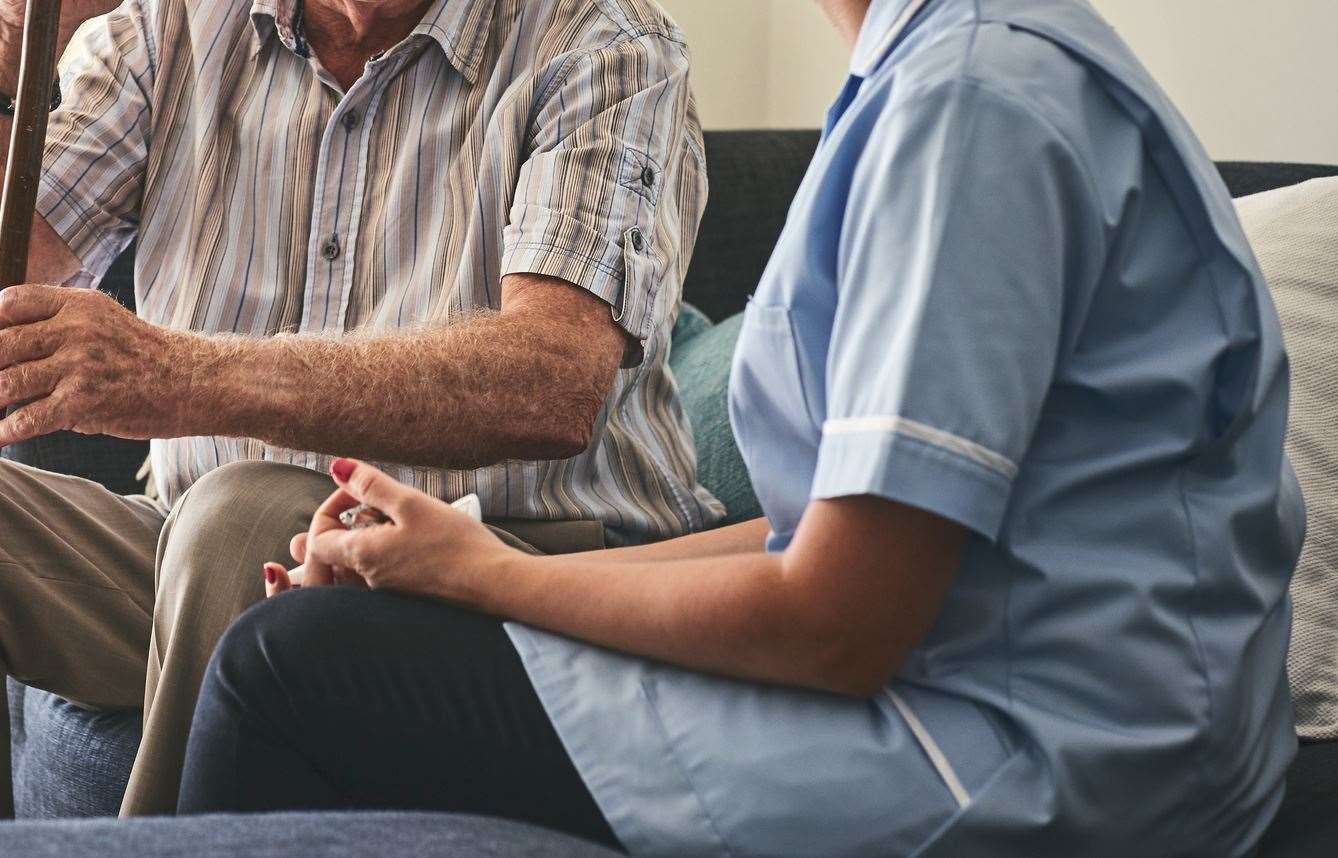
column 1258, row 80
column 761, row 63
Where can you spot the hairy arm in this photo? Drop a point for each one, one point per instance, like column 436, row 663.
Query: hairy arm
column 526, row 382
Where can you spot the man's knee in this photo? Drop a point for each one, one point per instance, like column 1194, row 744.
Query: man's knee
column 239, row 489
column 7, row 467
column 16, row 480
column 236, row 518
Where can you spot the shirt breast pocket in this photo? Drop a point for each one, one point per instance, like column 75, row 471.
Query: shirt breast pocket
column 771, row 409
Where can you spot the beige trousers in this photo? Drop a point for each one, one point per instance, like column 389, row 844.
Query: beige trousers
column 114, row 603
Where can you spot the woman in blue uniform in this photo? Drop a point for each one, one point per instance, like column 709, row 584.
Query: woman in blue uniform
column 1012, row 395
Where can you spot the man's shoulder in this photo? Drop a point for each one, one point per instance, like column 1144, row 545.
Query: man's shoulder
column 588, row 25
column 1029, row 79
column 198, row 8
column 195, row 15
column 639, row 18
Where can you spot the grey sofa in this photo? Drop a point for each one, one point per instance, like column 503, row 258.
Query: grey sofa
column 284, row 835
column 73, row 763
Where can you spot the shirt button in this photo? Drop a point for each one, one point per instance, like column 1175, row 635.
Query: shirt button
column 330, row 250
column 648, row 177
column 638, row 241
column 350, row 120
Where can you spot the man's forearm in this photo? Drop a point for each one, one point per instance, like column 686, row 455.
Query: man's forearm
column 486, row 390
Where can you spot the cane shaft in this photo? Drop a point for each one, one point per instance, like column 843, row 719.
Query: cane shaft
column 27, row 144
column 37, row 69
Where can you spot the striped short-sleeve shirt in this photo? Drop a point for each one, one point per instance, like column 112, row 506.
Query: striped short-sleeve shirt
column 554, row 137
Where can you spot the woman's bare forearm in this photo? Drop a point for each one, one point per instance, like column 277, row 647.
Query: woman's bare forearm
column 839, row 610
column 741, row 538
column 731, row 616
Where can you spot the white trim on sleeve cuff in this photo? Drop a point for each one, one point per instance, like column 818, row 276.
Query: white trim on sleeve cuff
column 927, row 434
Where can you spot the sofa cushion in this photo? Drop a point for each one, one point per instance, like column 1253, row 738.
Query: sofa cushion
column 292, row 834
column 1306, row 825
column 1253, row 177
column 753, row 176
column 68, row 761
column 1294, row 232
column 701, row 359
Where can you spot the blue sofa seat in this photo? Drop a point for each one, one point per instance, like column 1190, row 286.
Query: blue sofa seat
column 285, row 835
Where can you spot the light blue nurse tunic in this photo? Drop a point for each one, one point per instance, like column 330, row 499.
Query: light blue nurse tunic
column 1012, row 291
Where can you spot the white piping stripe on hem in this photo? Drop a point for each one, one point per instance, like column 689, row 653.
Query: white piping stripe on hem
column 931, row 749
column 928, row 434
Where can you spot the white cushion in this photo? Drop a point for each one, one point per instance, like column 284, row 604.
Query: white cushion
column 1294, row 232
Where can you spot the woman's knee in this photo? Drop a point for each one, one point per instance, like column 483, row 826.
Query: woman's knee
column 280, row 643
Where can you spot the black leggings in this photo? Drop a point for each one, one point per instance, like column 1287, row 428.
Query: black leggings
column 335, row 698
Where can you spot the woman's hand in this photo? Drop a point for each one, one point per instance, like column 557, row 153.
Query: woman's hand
column 427, row 548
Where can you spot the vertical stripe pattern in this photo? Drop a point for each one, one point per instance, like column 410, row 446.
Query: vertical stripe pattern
column 554, row 137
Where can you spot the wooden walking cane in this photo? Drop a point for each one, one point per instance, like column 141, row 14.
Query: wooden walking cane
column 37, row 69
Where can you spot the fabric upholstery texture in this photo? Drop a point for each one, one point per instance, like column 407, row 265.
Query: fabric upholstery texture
column 1294, row 233
column 700, row 360
column 1306, row 825
column 753, row 176
column 68, row 761
column 291, row 835
column 1244, row 178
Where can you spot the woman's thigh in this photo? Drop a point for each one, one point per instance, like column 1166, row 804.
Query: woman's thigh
column 343, row 698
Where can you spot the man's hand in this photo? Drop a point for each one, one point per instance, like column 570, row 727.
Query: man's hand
column 83, row 362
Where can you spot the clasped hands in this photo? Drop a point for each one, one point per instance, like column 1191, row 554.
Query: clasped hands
column 75, row 359
column 427, row 548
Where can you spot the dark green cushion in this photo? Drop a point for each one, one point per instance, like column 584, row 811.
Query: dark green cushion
column 701, row 358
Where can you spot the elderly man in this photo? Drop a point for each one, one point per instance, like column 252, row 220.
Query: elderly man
column 468, row 218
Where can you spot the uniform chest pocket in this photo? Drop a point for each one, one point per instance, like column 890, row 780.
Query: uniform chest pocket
column 770, row 410
column 771, row 379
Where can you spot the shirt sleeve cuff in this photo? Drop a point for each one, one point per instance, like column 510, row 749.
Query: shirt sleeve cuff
column 543, row 241
column 915, row 471
column 96, row 249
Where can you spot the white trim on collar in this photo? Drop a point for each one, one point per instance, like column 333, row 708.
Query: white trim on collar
column 867, row 64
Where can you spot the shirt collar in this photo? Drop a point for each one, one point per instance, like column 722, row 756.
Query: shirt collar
column 460, row 27
column 885, row 22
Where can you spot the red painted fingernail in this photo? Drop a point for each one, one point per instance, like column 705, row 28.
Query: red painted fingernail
column 343, row 469
column 270, row 577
